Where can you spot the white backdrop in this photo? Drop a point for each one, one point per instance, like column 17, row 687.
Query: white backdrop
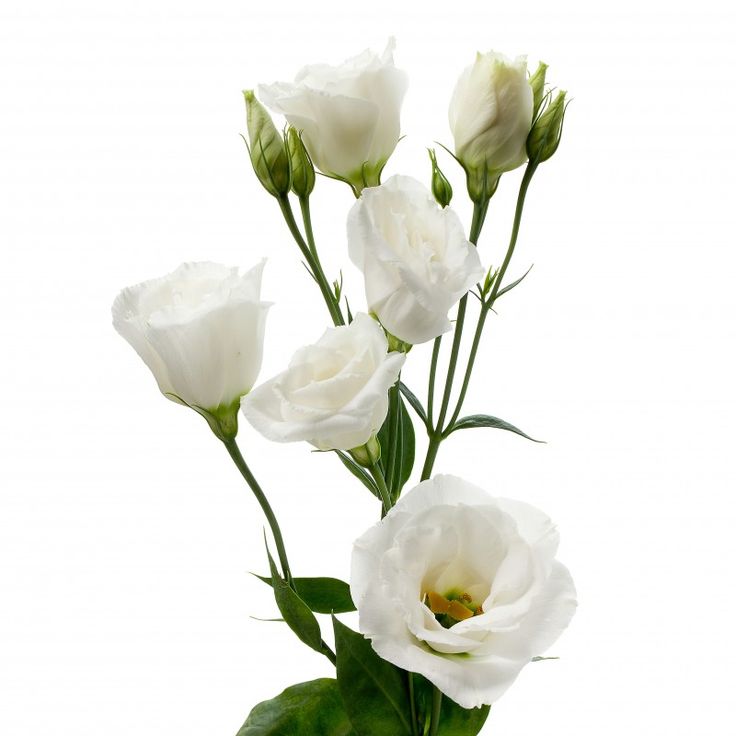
column 126, row 536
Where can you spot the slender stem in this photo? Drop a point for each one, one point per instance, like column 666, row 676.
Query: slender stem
column 457, row 339
column 434, row 446
column 436, row 710
column 390, row 452
column 488, row 304
column 382, row 488
column 412, row 705
column 484, row 310
column 523, row 188
column 436, row 430
column 432, row 375
column 307, row 219
column 333, row 304
column 312, row 262
column 239, row 460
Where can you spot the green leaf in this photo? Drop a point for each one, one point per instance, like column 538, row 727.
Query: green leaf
column 454, row 720
column 508, row 288
column 322, row 595
column 295, row 611
column 312, row 708
column 397, row 443
column 483, row 420
column 358, row 472
column 414, row 401
column 374, row 692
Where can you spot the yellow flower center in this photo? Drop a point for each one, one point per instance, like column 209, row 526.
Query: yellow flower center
column 452, row 607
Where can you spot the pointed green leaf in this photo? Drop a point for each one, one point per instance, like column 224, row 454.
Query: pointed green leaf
column 295, row 611
column 358, row 472
column 514, row 283
column 414, row 401
column 312, row 708
column 374, row 692
column 397, row 443
column 322, row 595
column 483, row 420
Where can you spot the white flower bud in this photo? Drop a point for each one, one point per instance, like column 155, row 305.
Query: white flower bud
column 490, row 118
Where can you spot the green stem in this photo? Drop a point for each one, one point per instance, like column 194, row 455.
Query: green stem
column 312, row 261
column 436, row 710
column 434, row 445
column 412, row 705
column 239, row 460
column 488, row 304
column 432, row 376
column 457, row 339
column 307, row 219
column 436, row 430
column 382, row 488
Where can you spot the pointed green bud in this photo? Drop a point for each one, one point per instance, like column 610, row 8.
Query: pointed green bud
column 536, row 82
column 302, row 169
column 267, row 149
column 441, row 188
column 547, row 131
column 368, row 454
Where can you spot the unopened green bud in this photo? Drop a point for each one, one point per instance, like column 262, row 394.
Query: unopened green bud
column 547, row 131
column 368, row 454
column 441, row 188
column 302, row 169
column 536, row 82
column 267, row 149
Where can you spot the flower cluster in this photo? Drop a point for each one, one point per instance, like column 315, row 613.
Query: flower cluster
column 456, row 590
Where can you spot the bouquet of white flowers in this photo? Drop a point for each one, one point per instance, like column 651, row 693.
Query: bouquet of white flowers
column 456, row 590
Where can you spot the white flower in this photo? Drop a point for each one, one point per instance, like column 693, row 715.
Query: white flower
column 334, row 393
column 414, row 256
column 491, row 113
column 348, row 115
column 200, row 331
column 461, row 587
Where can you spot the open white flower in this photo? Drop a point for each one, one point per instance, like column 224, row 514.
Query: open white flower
column 491, row 113
column 334, row 393
column 415, row 258
column 349, row 115
column 461, row 587
column 199, row 329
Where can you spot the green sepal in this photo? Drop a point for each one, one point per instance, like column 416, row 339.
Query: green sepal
column 474, row 421
column 223, row 420
column 482, row 183
column 374, row 692
column 536, row 82
column 322, row 595
column 295, row 611
column 369, row 454
column 454, row 719
column 312, row 708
